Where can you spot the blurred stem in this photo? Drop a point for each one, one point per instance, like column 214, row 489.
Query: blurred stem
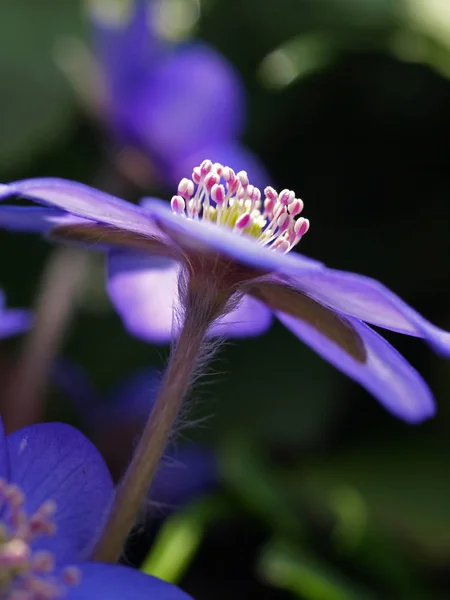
column 55, row 308
column 201, row 310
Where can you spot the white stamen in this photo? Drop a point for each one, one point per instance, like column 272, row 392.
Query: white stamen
column 237, row 204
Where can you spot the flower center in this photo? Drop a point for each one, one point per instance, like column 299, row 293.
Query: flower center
column 219, row 195
column 26, row 574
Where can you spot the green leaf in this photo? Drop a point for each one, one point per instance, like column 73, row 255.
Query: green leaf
column 180, row 536
column 289, row 568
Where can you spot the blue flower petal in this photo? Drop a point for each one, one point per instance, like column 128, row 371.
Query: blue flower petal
column 74, row 382
column 231, row 154
column 134, row 399
column 209, row 237
column 53, row 461
column 34, row 219
column 14, row 321
column 144, row 291
column 385, row 373
column 184, row 474
column 193, row 98
column 126, row 47
column 368, row 300
column 83, row 201
column 115, row 582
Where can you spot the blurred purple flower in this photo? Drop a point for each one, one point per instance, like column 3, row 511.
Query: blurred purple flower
column 176, row 102
column 55, row 492
column 13, row 320
column 223, row 235
column 114, row 422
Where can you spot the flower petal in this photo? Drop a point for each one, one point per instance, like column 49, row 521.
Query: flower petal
column 250, row 318
column 34, row 219
column 209, row 237
column 14, row 321
column 183, row 475
column 115, row 582
column 125, row 44
column 385, row 373
column 193, row 98
column 134, row 399
column 53, row 461
column 368, row 300
column 231, row 154
column 84, row 201
column 144, row 291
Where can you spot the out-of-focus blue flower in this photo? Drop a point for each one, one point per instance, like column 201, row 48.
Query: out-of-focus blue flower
column 55, row 493
column 176, row 102
column 230, row 238
column 13, row 320
column 114, row 422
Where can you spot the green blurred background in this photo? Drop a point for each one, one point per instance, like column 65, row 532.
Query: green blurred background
column 324, row 495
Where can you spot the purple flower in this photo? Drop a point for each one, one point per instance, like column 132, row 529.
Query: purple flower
column 55, row 492
column 175, row 102
column 230, row 242
column 186, row 470
column 13, row 320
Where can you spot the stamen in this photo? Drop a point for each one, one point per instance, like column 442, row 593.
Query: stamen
column 217, row 194
column 24, row 574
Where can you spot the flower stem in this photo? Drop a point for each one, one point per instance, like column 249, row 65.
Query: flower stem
column 56, row 306
column 134, row 487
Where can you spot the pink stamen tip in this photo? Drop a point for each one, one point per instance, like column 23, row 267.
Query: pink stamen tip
column 243, row 178
column 205, row 167
column 269, row 205
column 270, row 194
column 244, row 221
column 228, row 174
column 234, row 186
column 301, row 227
column 286, row 197
column 178, row 204
column 210, row 180
column 295, row 207
column 218, row 194
column 186, row 188
column 255, row 195
column 218, row 168
column 196, row 175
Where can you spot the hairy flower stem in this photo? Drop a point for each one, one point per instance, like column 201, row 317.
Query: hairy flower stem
column 186, row 353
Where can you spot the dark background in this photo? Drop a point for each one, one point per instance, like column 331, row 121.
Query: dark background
column 330, row 496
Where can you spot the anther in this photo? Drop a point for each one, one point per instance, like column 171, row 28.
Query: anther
column 285, row 197
column 218, row 194
column 205, row 167
column 295, row 207
column 210, row 180
column 178, row 204
column 301, row 226
column 244, row 221
column 186, row 188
